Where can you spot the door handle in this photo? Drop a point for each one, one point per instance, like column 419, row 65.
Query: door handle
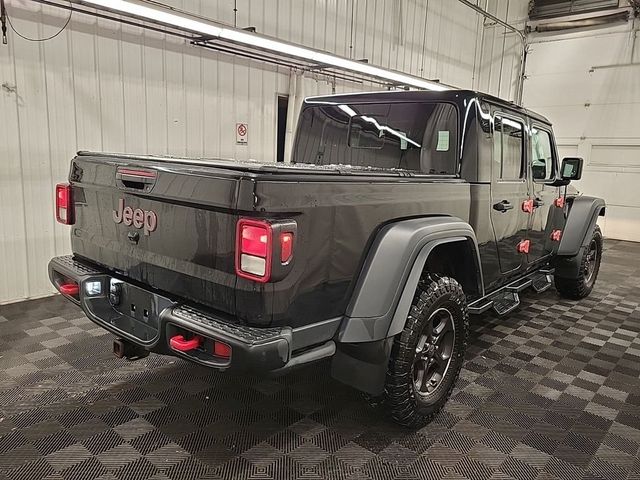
column 537, row 202
column 503, row 206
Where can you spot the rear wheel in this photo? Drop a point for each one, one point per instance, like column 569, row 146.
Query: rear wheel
column 581, row 286
column 427, row 356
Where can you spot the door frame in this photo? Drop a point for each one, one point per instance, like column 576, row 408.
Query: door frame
column 523, row 181
column 535, row 124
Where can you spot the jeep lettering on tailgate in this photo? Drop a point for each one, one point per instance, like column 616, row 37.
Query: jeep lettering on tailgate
column 137, row 217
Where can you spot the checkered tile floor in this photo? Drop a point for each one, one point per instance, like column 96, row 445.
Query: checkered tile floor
column 553, row 391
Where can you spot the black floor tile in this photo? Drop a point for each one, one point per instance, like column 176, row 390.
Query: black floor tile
column 548, row 392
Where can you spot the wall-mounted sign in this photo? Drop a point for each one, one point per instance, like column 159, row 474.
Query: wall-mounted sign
column 242, row 132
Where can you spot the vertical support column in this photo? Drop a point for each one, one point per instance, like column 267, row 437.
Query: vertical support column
column 296, row 97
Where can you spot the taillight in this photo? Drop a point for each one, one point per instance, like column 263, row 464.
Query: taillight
column 64, row 204
column 254, row 249
column 286, row 247
column 265, row 250
column 256, row 240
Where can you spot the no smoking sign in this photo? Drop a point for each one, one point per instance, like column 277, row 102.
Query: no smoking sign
column 242, row 132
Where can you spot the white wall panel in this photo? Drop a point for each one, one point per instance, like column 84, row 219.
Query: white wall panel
column 104, row 86
column 595, row 113
column 13, row 252
column 35, row 155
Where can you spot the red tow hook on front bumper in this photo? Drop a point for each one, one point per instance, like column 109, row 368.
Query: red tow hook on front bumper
column 179, row 343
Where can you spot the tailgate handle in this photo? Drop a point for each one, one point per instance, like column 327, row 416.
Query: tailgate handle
column 134, row 178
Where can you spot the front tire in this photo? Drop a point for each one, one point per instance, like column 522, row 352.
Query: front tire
column 427, row 355
column 581, row 286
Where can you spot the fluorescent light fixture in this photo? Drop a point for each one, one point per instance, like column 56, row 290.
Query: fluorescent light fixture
column 166, row 16
column 323, row 58
column 156, row 14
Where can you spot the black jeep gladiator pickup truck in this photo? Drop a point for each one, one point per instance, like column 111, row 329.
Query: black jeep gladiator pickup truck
column 400, row 214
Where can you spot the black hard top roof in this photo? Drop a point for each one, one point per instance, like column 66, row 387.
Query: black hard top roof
column 452, row 95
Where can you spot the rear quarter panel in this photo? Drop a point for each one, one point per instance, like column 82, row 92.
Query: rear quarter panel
column 337, row 221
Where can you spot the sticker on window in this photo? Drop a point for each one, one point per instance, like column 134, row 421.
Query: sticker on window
column 443, row 141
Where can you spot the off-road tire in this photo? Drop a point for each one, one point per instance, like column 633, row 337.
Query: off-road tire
column 405, row 406
column 581, row 286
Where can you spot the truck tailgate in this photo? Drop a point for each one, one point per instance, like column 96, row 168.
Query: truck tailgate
column 168, row 225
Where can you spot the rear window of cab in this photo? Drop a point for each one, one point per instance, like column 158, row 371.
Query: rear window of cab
column 416, row 137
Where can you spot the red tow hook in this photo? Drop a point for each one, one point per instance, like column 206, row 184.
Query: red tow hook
column 178, row 342
column 524, row 246
column 528, row 206
column 69, row 289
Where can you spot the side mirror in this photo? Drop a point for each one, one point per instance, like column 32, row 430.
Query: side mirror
column 571, row 168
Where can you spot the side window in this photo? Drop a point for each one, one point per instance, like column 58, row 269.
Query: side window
column 508, row 148
column 542, row 157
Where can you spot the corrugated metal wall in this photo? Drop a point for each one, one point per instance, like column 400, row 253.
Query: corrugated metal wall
column 501, row 49
column 103, row 86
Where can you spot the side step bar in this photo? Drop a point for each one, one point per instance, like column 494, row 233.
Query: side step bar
column 506, row 299
column 477, row 308
column 542, row 282
column 519, row 285
column 506, row 302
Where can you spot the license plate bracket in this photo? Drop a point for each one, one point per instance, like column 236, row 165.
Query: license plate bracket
column 135, row 311
column 136, row 303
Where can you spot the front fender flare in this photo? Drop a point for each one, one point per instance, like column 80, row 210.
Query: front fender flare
column 583, row 215
column 582, row 219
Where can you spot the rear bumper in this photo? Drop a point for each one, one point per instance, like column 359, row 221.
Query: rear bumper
column 149, row 320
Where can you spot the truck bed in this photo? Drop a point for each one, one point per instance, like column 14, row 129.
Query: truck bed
column 191, row 252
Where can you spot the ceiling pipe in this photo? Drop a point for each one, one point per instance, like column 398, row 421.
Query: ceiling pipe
column 492, row 17
column 523, row 40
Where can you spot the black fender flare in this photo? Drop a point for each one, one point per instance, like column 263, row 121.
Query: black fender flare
column 384, row 292
column 581, row 221
column 387, row 283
